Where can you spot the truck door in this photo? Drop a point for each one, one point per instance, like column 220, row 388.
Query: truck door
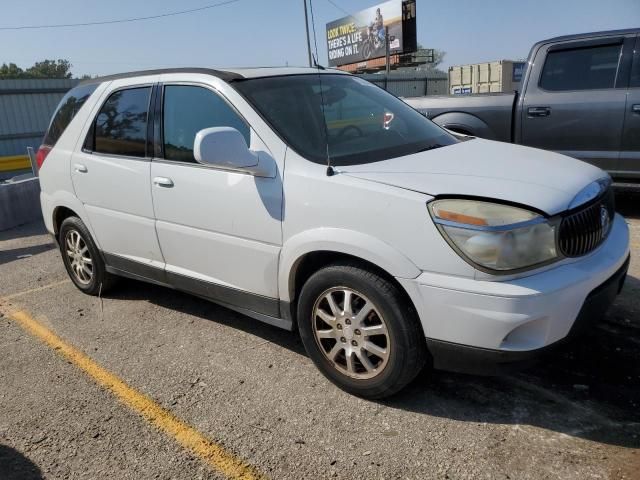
column 629, row 163
column 574, row 100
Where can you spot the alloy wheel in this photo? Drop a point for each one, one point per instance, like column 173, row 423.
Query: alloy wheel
column 351, row 333
column 79, row 257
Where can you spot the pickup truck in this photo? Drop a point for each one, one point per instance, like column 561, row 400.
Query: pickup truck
column 580, row 97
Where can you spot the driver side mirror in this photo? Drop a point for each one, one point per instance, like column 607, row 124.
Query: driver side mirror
column 226, row 148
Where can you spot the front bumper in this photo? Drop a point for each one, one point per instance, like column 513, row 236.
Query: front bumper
column 472, row 325
column 463, row 358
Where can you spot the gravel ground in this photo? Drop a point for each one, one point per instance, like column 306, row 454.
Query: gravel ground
column 251, row 388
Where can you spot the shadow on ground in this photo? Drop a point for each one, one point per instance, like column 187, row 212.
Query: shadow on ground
column 589, row 389
column 628, row 204
column 13, row 254
column 15, row 466
column 34, row 229
column 22, row 231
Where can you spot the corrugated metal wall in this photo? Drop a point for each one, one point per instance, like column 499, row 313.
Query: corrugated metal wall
column 26, row 107
column 411, row 84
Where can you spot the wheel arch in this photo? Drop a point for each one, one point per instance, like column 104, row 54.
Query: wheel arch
column 306, row 253
column 464, row 123
column 60, row 214
column 63, row 205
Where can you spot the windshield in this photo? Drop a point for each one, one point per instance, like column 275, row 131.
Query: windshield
column 342, row 116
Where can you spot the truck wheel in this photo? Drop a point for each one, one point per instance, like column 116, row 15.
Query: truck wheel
column 82, row 258
column 360, row 331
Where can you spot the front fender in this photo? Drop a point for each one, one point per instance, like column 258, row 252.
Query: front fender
column 344, row 241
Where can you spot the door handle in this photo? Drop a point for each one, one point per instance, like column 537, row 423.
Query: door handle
column 80, row 168
column 163, row 182
column 539, row 111
column 635, row 108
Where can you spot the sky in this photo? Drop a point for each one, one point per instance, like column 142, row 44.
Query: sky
column 271, row 32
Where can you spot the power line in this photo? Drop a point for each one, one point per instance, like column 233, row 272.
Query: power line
column 124, row 20
column 339, row 7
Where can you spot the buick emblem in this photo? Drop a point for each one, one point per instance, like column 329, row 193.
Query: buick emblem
column 604, row 218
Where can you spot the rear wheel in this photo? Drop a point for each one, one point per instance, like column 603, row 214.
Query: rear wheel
column 82, row 258
column 360, row 331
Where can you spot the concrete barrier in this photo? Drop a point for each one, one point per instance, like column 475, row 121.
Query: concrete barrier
column 19, row 202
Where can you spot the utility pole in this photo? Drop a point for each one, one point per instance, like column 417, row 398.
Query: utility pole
column 306, row 26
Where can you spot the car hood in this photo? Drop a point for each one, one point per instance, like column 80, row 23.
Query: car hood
column 540, row 179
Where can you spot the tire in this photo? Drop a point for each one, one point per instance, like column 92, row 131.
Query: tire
column 78, row 249
column 366, row 49
column 399, row 349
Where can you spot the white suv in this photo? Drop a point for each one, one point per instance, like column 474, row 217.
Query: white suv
column 315, row 200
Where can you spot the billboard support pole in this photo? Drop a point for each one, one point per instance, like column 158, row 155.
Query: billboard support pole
column 306, row 26
column 387, row 56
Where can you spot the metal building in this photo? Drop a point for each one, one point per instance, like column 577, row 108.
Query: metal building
column 26, row 107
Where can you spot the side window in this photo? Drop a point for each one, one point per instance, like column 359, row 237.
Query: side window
column 586, row 68
column 121, row 126
column 69, row 106
column 189, row 109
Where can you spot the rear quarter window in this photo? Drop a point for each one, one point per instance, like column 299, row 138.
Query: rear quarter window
column 66, row 111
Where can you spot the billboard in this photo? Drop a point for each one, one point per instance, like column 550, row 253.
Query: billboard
column 360, row 37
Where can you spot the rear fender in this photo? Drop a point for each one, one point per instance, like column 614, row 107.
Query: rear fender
column 61, row 199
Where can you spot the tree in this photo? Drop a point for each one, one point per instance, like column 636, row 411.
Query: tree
column 44, row 69
column 50, row 69
column 10, row 71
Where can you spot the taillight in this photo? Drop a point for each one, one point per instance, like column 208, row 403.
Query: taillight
column 41, row 156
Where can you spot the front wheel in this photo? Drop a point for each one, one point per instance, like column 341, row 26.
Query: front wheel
column 360, row 331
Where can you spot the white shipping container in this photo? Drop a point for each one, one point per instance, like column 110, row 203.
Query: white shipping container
column 488, row 77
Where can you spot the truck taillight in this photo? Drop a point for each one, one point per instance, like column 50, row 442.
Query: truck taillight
column 43, row 151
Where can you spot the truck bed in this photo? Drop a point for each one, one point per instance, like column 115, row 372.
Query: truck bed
column 491, row 114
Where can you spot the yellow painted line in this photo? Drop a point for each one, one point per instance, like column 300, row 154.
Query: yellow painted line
column 33, row 290
column 18, row 162
column 210, row 452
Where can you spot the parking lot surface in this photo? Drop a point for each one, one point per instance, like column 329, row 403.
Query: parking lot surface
column 252, row 392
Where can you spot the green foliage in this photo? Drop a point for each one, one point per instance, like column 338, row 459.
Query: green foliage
column 44, row 69
column 10, row 71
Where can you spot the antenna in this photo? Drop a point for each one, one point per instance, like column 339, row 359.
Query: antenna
column 330, row 170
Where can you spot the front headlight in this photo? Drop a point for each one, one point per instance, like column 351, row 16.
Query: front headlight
column 495, row 237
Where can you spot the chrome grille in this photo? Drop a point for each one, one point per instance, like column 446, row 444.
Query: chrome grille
column 582, row 231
